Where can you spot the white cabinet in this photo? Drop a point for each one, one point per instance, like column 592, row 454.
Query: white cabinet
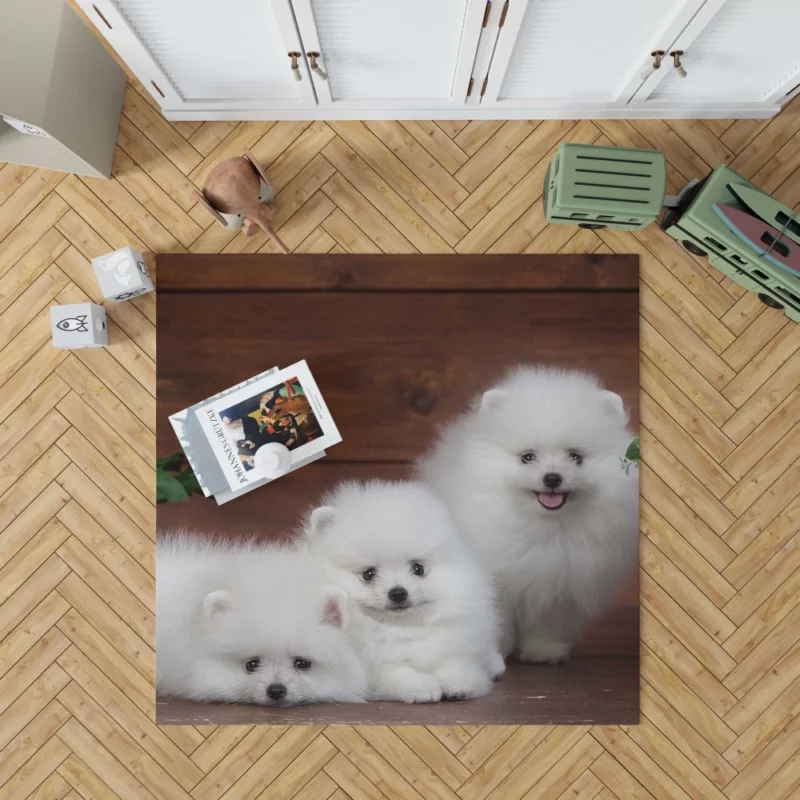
column 734, row 52
column 209, row 54
column 390, row 53
column 339, row 59
column 570, row 52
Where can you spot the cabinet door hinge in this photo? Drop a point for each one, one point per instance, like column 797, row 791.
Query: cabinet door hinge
column 487, row 12
column 483, row 88
column 469, row 88
column 503, row 15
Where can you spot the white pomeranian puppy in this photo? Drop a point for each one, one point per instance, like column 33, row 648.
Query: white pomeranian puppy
column 533, row 475
column 250, row 623
column 423, row 617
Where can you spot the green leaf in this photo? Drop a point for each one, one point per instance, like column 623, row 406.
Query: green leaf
column 172, row 462
column 189, row 481
column 632, row 453
column 168, row 488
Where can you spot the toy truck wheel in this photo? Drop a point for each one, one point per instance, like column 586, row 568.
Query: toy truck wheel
column 693, row 248
column 592, row 226
column 770, row 301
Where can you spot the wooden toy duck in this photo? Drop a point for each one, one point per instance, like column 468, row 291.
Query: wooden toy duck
column 237, row 192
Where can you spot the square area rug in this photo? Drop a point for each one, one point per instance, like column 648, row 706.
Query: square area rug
column 399, row 345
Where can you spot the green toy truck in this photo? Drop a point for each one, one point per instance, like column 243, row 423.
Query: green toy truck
column 625, row 189
column 605, row 187
column 701, row 231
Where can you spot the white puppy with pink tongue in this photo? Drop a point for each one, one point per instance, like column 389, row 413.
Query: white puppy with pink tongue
column 533, row 474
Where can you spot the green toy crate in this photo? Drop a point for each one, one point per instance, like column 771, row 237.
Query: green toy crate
column 698, row 228
column 598, row 187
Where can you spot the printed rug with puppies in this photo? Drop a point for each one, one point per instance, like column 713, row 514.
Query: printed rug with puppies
column 468, row 553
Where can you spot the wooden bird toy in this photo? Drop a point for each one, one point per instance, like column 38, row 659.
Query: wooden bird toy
column 237, row 192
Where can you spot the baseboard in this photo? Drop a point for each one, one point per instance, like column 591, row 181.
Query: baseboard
column 742, row 111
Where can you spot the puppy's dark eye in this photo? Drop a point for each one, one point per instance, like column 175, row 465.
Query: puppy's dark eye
column 253, row 664
column 417, row 568
column 302, row 664
column 369, row 574
column 528, row 457
column 576, row 456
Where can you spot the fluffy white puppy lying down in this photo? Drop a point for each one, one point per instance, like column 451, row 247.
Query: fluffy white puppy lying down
column 423, row 618
column 250, row 623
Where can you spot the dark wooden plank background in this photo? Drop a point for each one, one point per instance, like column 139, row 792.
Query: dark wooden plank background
column 398, row 345
column 359, row 273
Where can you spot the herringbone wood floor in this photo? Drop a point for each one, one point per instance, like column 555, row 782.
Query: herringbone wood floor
column 720, row 552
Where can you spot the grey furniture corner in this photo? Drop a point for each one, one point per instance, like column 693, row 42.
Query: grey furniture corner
column 59, row 78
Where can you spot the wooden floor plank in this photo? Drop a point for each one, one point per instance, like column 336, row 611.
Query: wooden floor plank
column 110, row 625
column 493, row 152
column 685, row 556
column 352, row 203
column 33, row 300
column 383, row 197
column 348, row 235
column 152, row 197
column 427, row 169
column 104, row 583
column 781, row 572
column 26, row 198
column 144, row 153
column 30, row 231
column 160, row 132
column 12, row 176
column 511, row 171
column 288, row 146
column 437, row 143
column 92, row 425
column 668, row 688
column 681, row 408
column 31, row 266
column 209, row 135
column 403, row 181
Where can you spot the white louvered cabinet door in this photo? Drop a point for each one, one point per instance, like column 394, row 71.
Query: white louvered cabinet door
column 386, row 54
column 208, row 54
column 554, row 53
column 745, row 51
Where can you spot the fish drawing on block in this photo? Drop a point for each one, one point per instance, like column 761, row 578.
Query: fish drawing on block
column 763, row 238
column 74, row 324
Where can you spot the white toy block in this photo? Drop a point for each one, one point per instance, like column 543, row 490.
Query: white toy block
column 122, row 274
column 78, row 325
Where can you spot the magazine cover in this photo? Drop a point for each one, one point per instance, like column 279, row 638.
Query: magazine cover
column 197, row 448
column 284, row 407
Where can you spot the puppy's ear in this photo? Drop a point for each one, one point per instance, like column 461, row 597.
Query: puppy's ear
column 493, row 399
column 612, row 404
column 334, row 611
column 217, row 604
column 320, row 520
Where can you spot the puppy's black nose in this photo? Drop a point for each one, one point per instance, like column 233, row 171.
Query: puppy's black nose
column 276, row 691
column 552, row 480
column 398, row 594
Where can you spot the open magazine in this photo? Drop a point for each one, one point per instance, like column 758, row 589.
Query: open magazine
column 221, row 435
